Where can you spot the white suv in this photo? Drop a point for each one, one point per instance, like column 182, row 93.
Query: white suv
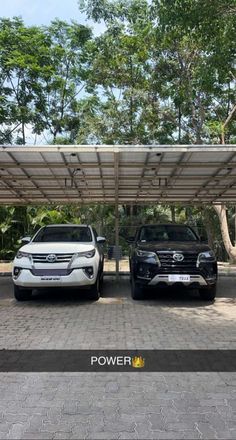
column 59, row 256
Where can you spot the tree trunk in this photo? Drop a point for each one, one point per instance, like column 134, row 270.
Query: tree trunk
column 221, row 209
column 179, row 124
column 227, row 121
column 210, row 236
column 230, row 249
column 207, row 220
column 23, row 133
column 173, row 219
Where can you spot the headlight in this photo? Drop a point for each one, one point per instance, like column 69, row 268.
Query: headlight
column 87, row 254
column 206, row 257
column 21, row 254
column 146, row 254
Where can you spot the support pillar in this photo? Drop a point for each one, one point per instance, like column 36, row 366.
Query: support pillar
column 116, row 170
column 117, row 240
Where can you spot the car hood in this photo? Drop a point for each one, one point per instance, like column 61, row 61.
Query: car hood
column 178, row 246
column 56, row 248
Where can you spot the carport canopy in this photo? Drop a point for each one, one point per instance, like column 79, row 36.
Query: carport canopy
column 129, row 174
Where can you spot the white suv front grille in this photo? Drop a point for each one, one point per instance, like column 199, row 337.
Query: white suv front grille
column 60, row 258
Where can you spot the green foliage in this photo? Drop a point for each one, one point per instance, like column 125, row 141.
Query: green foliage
column 24, row 64
column 42, row 71
column 70, row 62
column 163, row 71
column 16, row 222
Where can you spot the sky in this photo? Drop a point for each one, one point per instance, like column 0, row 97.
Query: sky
column 42, row 12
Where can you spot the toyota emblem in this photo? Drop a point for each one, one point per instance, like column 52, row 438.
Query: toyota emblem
column 51, row 258
column 178, row 257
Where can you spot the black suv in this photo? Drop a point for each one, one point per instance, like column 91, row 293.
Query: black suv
column 171, row 255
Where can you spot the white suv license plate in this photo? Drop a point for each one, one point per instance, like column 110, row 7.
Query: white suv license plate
column 52, row 278
column 181, row 278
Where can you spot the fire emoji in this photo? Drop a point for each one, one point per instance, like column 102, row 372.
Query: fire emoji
column 138, row 362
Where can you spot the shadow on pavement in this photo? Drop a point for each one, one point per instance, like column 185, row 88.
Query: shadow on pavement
column 171, row 296
column 120, row 292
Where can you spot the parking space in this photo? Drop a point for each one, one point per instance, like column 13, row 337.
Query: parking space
column 167, row 319
column 118, row 405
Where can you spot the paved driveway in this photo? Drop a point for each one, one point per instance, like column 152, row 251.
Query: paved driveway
column 115, row 405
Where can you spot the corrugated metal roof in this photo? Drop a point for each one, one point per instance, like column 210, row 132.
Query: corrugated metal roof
column 118, row 173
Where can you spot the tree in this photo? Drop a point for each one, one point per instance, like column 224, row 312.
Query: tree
column 212, row 25
column 206, row 29
column 12, row 220
column 126, row 111
column 70, row 68
column 24, row 66
column 187, row 82
column 159, row 77
column 162, row 72
column 42, row 73
column 221, row 209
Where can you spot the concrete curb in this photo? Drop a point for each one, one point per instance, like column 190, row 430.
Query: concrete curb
column 227, row 274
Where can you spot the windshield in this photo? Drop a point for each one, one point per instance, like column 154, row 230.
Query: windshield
column 64, row 234
column 166, row 233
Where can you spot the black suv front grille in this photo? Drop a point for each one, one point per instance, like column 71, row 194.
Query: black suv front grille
column 167, row 260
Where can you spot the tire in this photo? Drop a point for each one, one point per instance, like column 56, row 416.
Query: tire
column 95, row 290
column 208, row 294
column 22, row 294
column 101, row 280
column 136, row 290
column 101, row 275
column 130, row 270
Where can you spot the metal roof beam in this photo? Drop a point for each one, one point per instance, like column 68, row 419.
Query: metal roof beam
column 105, row 165
column 111, row 177
column 70, row 174
column 180, row 173
column 26, row 174
column 225, row 165
column 167, row 148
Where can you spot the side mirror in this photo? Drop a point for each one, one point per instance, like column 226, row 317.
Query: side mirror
column 203, row 239
column 101, row 240
column 25, row 240
column 130, row 240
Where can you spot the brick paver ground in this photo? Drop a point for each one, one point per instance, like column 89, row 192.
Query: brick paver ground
column 114, row 405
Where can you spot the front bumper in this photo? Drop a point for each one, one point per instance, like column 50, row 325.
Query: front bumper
column 164, row 278
column 148, row 274
column 77, row 277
